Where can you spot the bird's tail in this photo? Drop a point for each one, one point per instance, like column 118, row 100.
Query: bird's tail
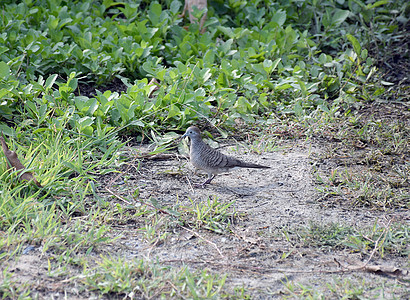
column 255, row 166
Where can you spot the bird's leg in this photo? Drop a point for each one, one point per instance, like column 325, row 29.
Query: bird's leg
column 202, row 185
column 208, row 181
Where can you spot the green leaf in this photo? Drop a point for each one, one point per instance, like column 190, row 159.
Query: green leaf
column 33, row 108
column 43, row 111
column 376, row 4
column 175, row 5
column 93, row 106
column 227, row 31
column 209, row 57
column 356, row 45
column 3, row 92
column 225, row 47
column 85, row 121
column 279, row 17
column 53, row 22
column 298, row 109
column 88, row 130
column 339, row 17
column 322, row 58
column 82, row 103
column 4, row 70
column 71, row 166
column 50, row 81
column 267, row 65
column 3, row 49
column 137, row 123
column 7, row 130
column 282, row 86
column 302, row 87
column 173, row 111
column 154, row 13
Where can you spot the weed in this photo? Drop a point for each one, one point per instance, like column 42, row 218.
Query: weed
column 390, row 240
column 212, row 215
column 118, row 276
column 11, row 289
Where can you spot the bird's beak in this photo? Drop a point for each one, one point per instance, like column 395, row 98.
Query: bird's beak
column 185, row 135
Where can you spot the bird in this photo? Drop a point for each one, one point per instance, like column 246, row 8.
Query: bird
column 213, row 162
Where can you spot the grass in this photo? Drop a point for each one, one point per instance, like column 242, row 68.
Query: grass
column 136, row 278
column 71, row 246
column 365, row 187
column 119, row 277
column 161, row 222
column 341, row 289
column 387, row 240
column 212, row 215
column 13, row 290
column 366, row 162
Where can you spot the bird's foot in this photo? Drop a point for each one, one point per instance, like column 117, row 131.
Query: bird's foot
column 200, row 185
column 203, row 184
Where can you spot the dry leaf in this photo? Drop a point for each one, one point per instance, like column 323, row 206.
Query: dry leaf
column 14, row 162
column 387, row 270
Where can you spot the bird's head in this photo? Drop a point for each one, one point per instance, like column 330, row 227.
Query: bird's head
column 192, row 132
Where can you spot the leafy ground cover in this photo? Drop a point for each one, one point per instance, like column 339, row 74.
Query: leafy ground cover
column 319, row 88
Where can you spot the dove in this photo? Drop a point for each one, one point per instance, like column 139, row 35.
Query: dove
column 213, row 162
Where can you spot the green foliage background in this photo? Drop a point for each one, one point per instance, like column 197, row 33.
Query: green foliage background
column 254, row 59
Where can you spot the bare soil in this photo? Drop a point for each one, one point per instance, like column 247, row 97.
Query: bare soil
column 257, row 254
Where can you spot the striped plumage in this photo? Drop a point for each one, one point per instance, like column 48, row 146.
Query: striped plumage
column 213, row 162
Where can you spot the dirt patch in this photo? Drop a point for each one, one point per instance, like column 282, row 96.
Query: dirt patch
column 31, row 270
column 261, row 252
